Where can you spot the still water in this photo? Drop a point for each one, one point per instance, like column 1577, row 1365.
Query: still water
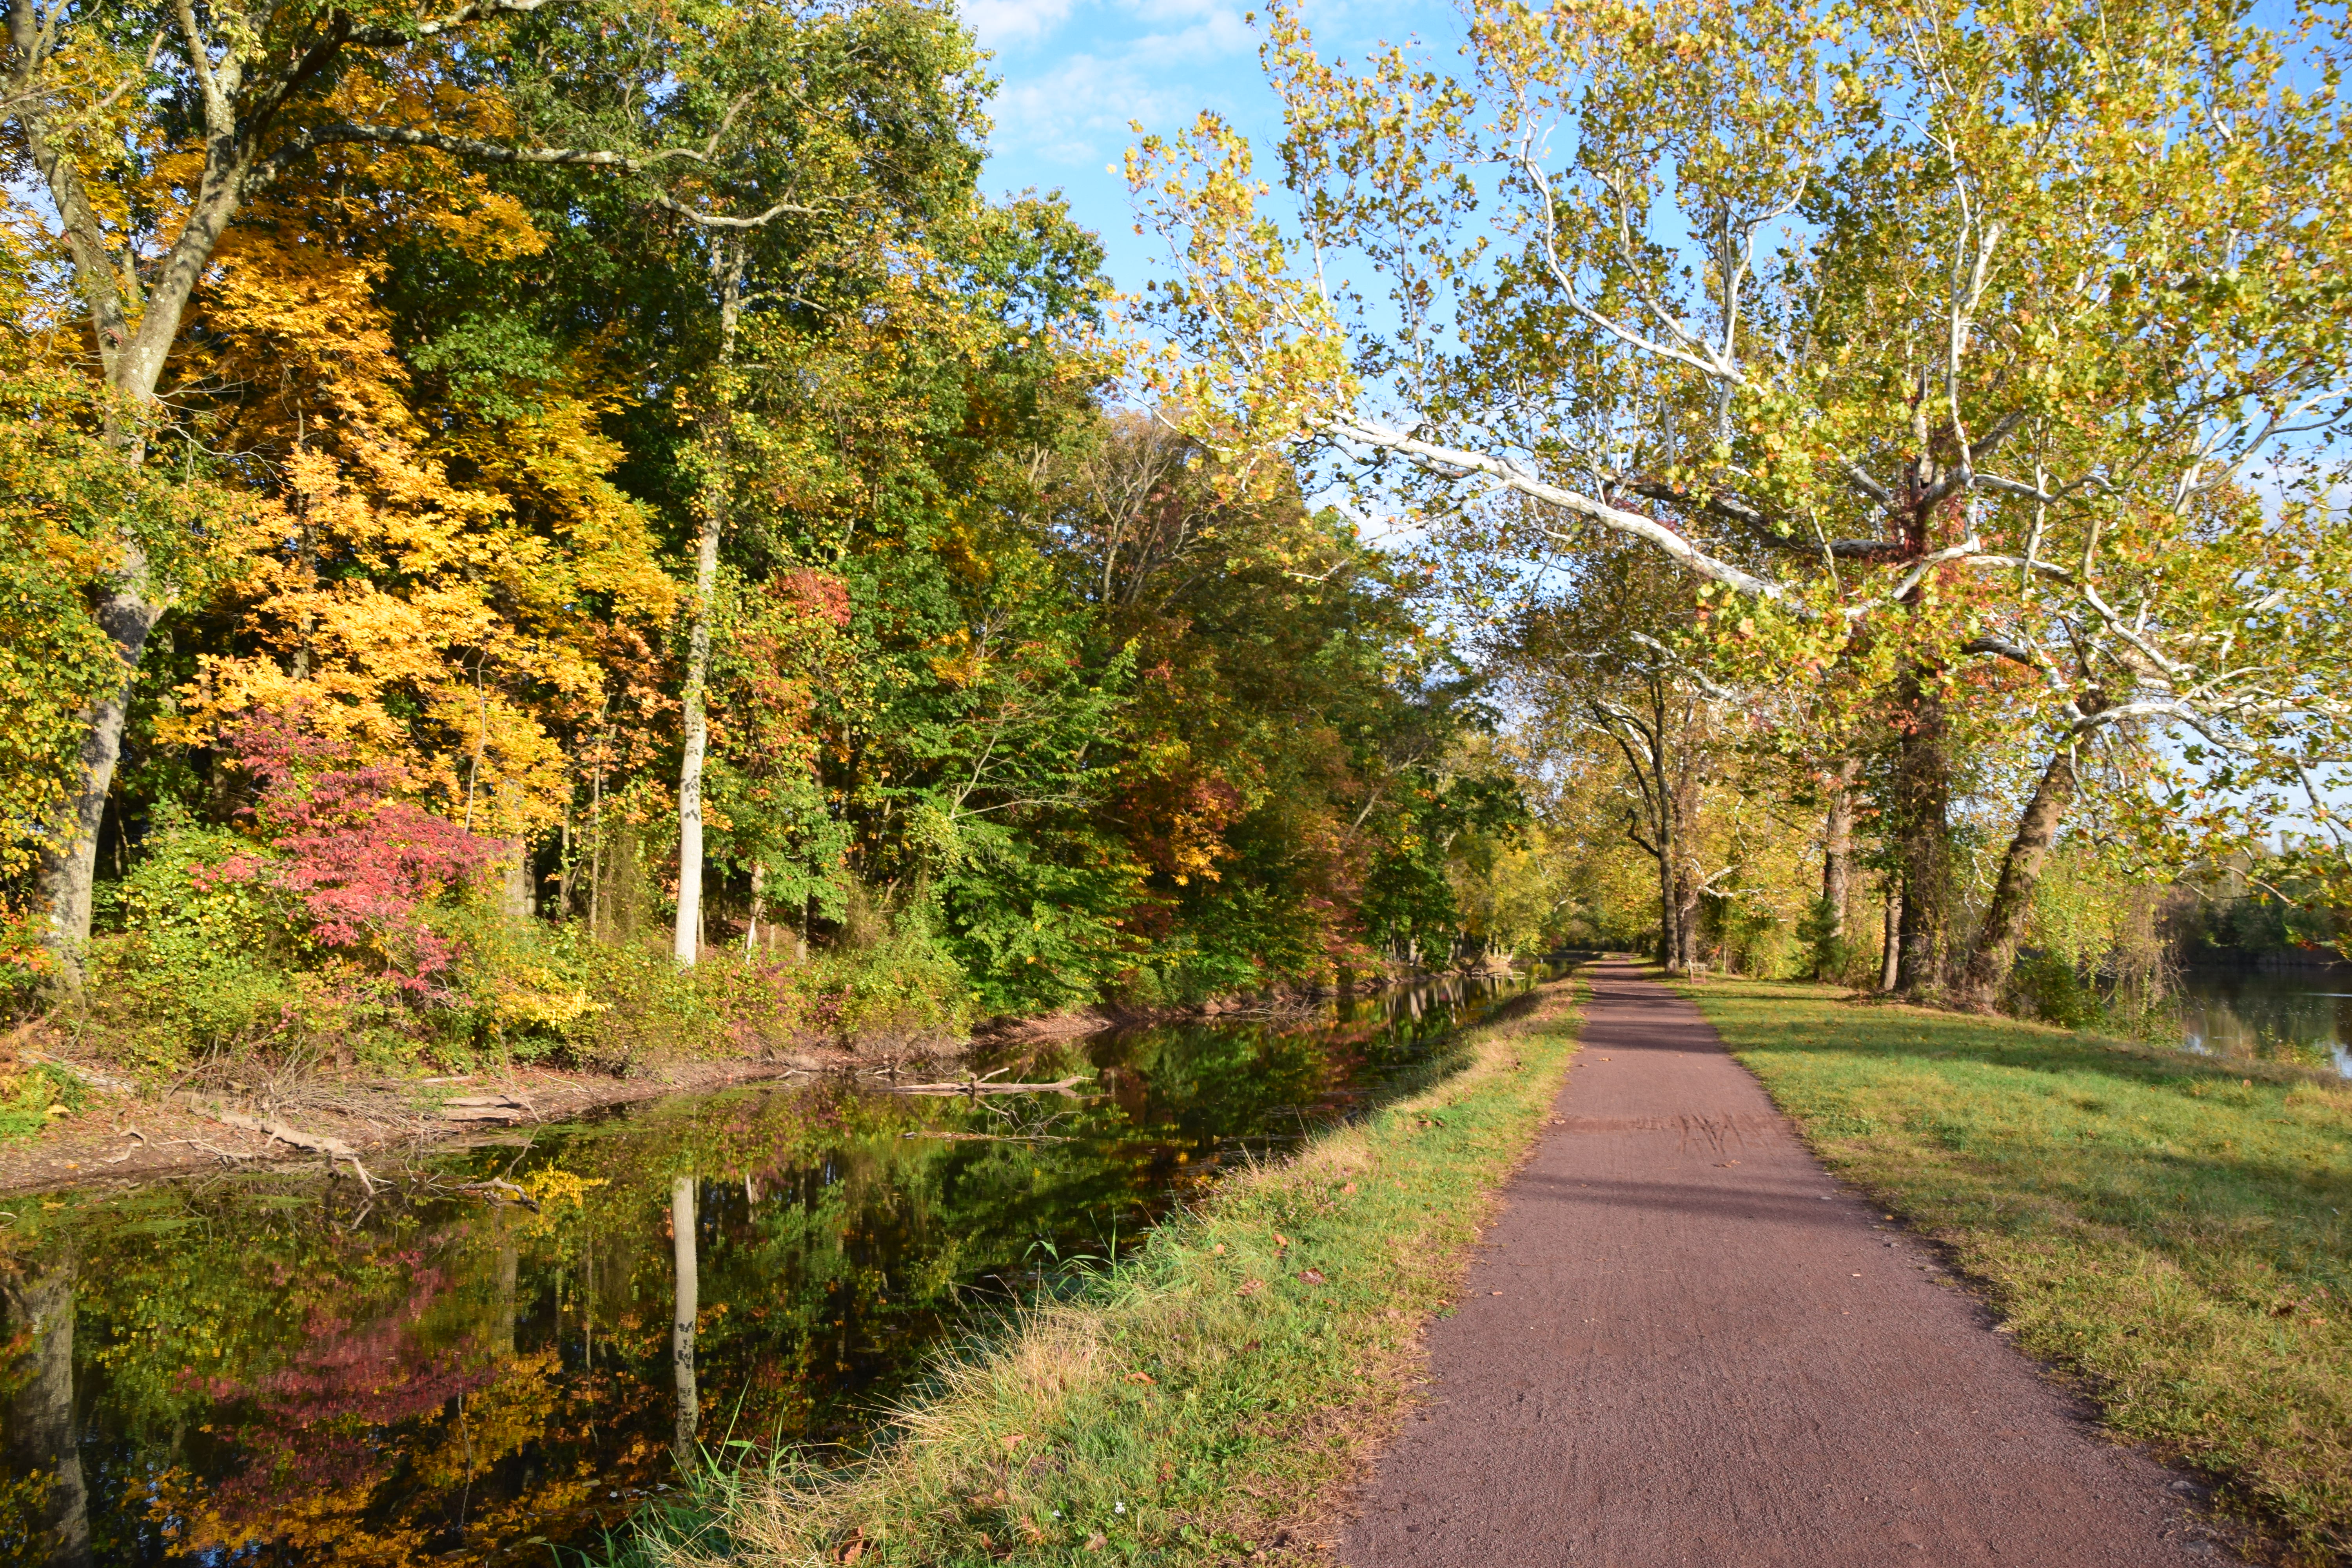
column 2296, row 1015
column 267, row 1368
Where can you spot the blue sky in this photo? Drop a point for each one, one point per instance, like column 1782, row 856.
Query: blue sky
column 1075, row 72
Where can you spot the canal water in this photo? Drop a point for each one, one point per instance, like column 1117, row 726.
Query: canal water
column 267, row 1368
column 2303, row 1017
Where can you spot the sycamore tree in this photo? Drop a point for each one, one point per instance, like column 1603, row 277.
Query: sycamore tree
column 1981, row 365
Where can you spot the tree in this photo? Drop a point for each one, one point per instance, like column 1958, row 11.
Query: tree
column 1913, row 337
column 1590, row 658
column 151, row 129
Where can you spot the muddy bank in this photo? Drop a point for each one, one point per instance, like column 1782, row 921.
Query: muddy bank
column 119, row 1136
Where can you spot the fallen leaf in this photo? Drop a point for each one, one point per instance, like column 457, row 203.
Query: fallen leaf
column 1350, row 1187
column 1312, row 1276
column 1252, row 1287
column 1095, row 1543
column 1280, row 1241
column 1014, row 1441
column 1141, row 1377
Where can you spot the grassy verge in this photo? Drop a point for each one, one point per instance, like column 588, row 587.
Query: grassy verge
column 1208, row 1399
column 2173, row 1231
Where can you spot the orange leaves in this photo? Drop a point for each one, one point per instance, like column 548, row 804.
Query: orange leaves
column 424, row 620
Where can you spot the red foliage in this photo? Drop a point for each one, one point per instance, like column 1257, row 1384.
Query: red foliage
column 323, row 1421
column 362, row 862
column 820, row 596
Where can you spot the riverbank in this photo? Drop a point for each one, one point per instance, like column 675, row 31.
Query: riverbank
column 111, row 1132
column 2168, row 1232
column 1208, row 1398
column 85, row 1120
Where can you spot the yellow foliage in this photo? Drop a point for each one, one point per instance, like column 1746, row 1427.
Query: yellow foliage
column 437, row 624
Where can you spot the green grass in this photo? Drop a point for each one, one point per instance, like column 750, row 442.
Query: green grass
column 2169, row 1230
column 1209, row 1399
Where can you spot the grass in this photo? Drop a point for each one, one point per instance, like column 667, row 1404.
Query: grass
column 2169, row 1230
column 1209, row 1398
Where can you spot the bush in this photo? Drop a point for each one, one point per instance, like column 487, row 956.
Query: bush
column 2045, row 986
column 32, row 1095
column 903, row 990
column 203, row 963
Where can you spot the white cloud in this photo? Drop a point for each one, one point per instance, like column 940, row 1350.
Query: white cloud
column 999, row 23
column 1219, row 31
column 1077, row 113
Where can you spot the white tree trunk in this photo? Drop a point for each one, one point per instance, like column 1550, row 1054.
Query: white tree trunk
column 727, row 270
column 687, row 1308
column 686, row 942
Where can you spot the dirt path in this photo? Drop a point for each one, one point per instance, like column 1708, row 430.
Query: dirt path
column 1684, row 1343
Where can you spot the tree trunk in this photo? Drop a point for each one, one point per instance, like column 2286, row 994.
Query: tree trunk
column 1670, row 946
column 1837, row 848
column 1923, row 790
column 502, row 1332
column 517, row 893
column 68, row 872
column 1681, row 805
column 1686, row 958
column 2013, row 897
column 686, row 942
column 1890, row 960
column 686, row 1308
column 752, row 926
column 39, row 1435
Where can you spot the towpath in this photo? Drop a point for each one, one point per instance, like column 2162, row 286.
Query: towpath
column 1684, row 1343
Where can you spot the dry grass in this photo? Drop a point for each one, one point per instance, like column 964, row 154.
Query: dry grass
column 1211, row 1400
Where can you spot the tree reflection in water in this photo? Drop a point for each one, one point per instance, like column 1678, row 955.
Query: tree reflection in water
column 254, row 1365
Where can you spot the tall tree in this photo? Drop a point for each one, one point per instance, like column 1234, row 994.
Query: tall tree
column 1912, row 336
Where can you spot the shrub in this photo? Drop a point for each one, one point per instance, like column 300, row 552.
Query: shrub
column 32, row 1095
column 2045, row 985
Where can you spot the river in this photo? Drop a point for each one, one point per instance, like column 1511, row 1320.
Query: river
column 267, row 1368
column 2299, row 1015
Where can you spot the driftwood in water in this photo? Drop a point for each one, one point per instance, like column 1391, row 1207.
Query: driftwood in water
column 498, row 1189
column 989, row 1137
column 976, row 1088
column 334, row 1149
column 503, row 1109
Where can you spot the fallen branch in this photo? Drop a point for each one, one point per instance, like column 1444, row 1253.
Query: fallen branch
column 226, row 1157
column 990, row 1137
column 499, row 1187
column 504, row 1109
column 317, row 1143
column 974, row 1088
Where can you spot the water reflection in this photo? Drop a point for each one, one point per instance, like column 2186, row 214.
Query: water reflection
column 2303, row 1016
column 267, row 1368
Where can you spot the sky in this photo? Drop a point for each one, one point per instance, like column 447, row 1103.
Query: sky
column 1074, row 73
